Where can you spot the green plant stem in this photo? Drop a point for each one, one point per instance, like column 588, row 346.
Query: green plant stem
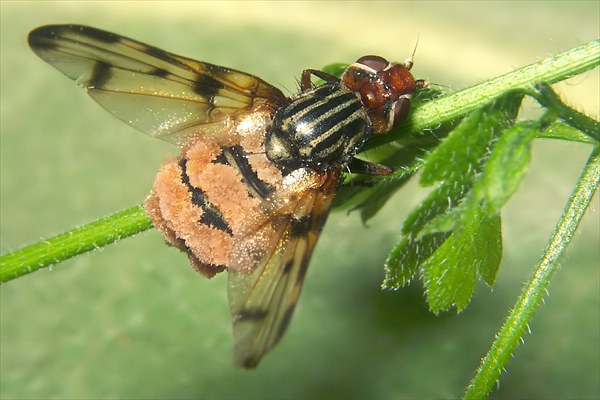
column 549, row 99
column 520, row 316
column 454, row 105
column 74, row 242
column 428, row 116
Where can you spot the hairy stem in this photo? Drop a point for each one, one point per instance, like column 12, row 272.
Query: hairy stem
column 74, row 242
column 520, row 316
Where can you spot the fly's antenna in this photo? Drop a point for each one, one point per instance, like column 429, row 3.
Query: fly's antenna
column 410, row 61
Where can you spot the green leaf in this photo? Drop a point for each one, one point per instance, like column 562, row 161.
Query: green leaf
column 562, row 131
column 489, row 247
column 456, row 164
column 507, row 165
column 405, row 260
column 446, row 220
column 455, row 233
column 431, row 209
column 454, row 160
column 450, row 273
column 406, row 158
column 380, row 195
column 335, row 69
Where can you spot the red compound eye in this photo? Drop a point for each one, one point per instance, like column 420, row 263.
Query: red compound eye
column 375, row 62
column 401, row 109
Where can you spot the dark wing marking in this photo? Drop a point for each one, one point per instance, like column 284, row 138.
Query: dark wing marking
column 269, row 263
column 159, row 93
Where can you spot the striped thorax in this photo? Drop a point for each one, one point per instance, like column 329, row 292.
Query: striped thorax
column 319, row 126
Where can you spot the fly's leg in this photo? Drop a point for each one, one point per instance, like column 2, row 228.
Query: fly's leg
column 305, row 82
column 358, row 166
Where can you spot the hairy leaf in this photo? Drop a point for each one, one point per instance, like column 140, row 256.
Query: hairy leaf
column 507, row 165
column 450, row 273
column 451, row 236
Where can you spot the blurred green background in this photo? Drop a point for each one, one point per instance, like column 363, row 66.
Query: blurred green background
column 135, row 321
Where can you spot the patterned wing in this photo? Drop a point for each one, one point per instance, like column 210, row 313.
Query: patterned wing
column 161, row 94
column 270, row 260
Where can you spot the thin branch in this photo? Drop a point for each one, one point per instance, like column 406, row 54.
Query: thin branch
column 520, row 316
column 74, row 242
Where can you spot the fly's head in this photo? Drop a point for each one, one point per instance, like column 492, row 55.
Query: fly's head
column 385, row 89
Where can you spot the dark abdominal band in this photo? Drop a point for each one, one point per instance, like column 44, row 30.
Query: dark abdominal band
column 236, row 157
column 210, row 214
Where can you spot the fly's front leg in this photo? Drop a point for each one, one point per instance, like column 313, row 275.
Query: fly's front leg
column 358, row 166
column 305, row 82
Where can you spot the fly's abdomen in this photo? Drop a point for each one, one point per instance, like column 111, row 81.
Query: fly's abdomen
column 320, row 126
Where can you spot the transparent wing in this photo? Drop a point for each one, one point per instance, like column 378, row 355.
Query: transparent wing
column 162, row 94
column 270, row 262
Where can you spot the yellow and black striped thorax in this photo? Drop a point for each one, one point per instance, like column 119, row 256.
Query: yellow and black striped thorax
column 318, row 127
